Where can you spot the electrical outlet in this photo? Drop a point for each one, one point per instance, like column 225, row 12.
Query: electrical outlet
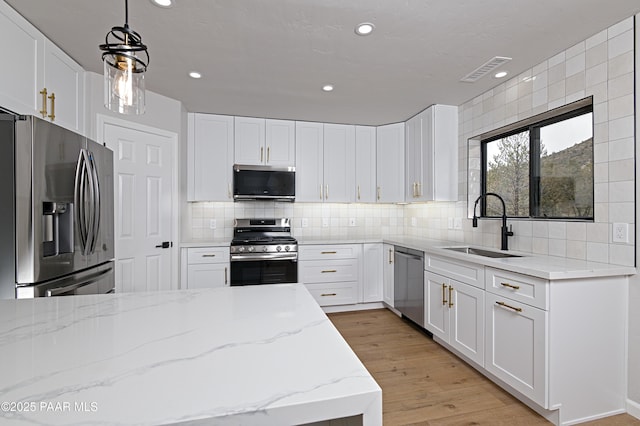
column 450, row 223
column 620, row 232
column 304, row 222
column 457, row 223
column 352, row 221
column 414, row 221
column 212, row 224
column 325, row 222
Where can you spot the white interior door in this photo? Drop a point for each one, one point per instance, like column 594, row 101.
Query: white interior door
column 144, row 174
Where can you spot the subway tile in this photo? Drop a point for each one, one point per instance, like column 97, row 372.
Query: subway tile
column 541, row 80
column 577, row 249
column 601, row 172
column 597, row 252
column 557, row 73
column 622, row 212
column 541, row 67
column 601, row 192
column 577, row 231
column 599, row 92
column 596, row 55
column 600, row 112
column 596, row 39
column 621, row 170
column 575, row 64
column 539, row 98
column 511, row 94
column 622, row 64
column 558, row 230
column 557, row 247
column 621, row 149
column 557, row 90
column 596, row 75
column 598, row 232
column 621, row 107
column 601, row 132
column 622, row 254
column 575, row 50
column 557, row 59
column 621, row 128
column 601, row 153
column 601, row 211
column 540, row 246
column 621, row 86
column 540, row 229
column 621, row 191
column 620, row 44
column 575, row 96
column 620, row 27
column 575, row 83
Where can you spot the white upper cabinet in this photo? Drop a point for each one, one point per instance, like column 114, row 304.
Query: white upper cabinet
column 22, row 75
column 365, row 164
column 339, row 160
column 432, row 155
column 390, row 163
column 40, row 79
column 309, row 162
column 264, row 142
column 64, row 81
column 209, row 157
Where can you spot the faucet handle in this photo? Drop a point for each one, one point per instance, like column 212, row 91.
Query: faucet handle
column 510, row 231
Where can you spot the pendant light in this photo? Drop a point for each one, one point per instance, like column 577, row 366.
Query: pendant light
column 125, row 60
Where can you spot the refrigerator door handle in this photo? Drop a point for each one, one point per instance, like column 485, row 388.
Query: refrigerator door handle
column 92, row 197
column 78, row 197
column 96, row 203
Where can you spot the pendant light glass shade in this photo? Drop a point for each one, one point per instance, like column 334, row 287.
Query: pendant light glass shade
column 125, row 60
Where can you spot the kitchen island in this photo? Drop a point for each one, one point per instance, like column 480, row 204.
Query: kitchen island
column 253, row 355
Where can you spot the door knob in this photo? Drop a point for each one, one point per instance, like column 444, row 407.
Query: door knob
column 165, row 244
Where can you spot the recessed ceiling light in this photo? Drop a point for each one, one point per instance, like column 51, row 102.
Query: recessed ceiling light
column 500, row 74
column 195, row 74
column 364, row 28
column 327, row 87
column 162, row 3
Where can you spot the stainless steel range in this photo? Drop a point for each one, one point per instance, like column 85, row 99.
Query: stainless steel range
column 263, row 252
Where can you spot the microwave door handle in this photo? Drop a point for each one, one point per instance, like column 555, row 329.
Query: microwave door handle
column 79, row 200
column 95, row 203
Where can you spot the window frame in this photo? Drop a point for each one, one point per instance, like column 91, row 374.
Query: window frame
column 533, row 126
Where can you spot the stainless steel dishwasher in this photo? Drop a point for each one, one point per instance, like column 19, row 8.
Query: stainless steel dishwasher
column 408, row 287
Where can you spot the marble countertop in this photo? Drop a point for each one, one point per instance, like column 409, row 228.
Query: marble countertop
column 547, row 267
column 252, row 355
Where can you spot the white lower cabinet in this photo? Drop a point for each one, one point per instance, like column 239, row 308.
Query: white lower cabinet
column 387, row 274
column 331, row 272
column 454, row 313
column 205, row 267
column 372, row 272
column 517, row 345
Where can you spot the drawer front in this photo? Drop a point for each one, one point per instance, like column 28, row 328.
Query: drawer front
column 321, row 271
column 324, row 252
column 328, row 294
column 207, row 255
column 458, row 270
column 522, row 288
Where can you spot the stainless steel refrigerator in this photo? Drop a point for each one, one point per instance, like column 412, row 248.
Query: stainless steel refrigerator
column 56, row 211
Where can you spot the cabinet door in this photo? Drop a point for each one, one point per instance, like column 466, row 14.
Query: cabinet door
column 209, row 157
column 207, row 275
column 467, row 321
column 390, row 167
column 387, row 280
column 413, row 156
column 64, row 80
column 436, row 291
column 516, row 345
column 280, row 143
column 309, row 152
column 22, row 74
column 365, row 164
column 339, row 163
column 372, row 273
column 440, row 154
column 249, row 141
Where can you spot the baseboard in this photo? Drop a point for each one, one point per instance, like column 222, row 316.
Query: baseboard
column 356, row 307
column 633, row 408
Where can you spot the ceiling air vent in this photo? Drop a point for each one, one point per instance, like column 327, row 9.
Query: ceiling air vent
column 485, row 69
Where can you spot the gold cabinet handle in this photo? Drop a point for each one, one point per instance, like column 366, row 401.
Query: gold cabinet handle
column 328, row 252
column 208, row 255
column 328, row 294
column 358, row 192
column 268, row 154
column 229, row 190
column 444, row 296
column 261, row 154
column 515, row 287
column 328, row 271
column 378, row 194
column 509, row 306
column 43, row 111
column 321, row 191
column 390, row 256
column 415, row 189
column 326, row 192
column 52, row 116
column 225, row 276
column 450, row 296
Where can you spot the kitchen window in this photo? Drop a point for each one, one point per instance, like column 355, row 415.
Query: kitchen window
column 542, row 168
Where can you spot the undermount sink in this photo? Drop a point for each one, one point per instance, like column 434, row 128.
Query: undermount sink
column 481, row 252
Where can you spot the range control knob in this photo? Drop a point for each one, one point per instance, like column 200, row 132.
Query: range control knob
column 265, row 248
column 251, row 248
column 241, row 249
column 278, row 248
column 287, row 248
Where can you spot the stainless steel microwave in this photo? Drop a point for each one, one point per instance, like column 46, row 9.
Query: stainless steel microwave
column 264, row 183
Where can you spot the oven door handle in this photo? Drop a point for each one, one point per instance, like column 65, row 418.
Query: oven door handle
column 263, row 256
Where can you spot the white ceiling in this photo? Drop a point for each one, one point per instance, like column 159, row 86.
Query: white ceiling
column 269, row 58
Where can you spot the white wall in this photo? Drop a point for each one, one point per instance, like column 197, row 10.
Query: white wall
column 634, row 285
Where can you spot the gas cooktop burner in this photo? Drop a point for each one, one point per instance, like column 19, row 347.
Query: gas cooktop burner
column 263, row 236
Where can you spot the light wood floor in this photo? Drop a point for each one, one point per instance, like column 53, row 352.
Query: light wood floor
column 424, row 384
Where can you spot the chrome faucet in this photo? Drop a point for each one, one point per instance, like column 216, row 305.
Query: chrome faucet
column 505, row 232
